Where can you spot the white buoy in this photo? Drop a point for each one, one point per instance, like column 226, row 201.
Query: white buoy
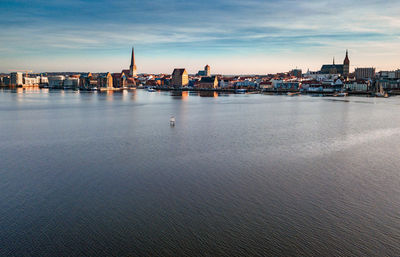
column 172, row 121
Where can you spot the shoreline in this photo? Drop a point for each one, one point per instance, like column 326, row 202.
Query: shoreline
column 218, row 90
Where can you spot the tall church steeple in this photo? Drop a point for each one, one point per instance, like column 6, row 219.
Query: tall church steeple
column 346, row 65
column 132, row 68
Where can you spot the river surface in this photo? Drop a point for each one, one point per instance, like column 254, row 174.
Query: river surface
column 104, row 174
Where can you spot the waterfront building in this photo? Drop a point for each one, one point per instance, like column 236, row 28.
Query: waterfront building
column 286, row 85
column 71, row 82
column 132, row 67
column 312, row 86
column 180, row 78
column 207, row 83
column 31, row 81
column 389, row 74
column 358, row 85
column 388, row 84
column 84, row 80
column 119, row 80
column 16, row 79
column 43, row 80
column 266, row 85
column 6, row 81
column 364, row 73
column 56, row 81
column 245, row 84
column 105, row 81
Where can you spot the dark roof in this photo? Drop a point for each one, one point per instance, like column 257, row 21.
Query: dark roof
column 327, row 67
column 208, row 79
column 330, row 66
column 178, row 71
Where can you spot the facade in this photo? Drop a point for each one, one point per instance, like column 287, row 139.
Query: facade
column 389, row 74
column 364, row 73
column 119, row 80
column 132, row 67
column 84, row 80
column 29, row 81
column 16, row 79
column 71, row 82
column 105, row 81
column 358, row 86
column 207, row 83
column 388, row 84
column 44, row 80
column 285, row 85
column 245, row 84
column 56, row 81
column 6, row 81
column 180, row 78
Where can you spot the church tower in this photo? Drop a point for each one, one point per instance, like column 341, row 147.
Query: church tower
column 346, row 65
column 207, row 70
column 132, row 68
column 333, row 69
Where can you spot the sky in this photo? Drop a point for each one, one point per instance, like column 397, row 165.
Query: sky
column 232, row 36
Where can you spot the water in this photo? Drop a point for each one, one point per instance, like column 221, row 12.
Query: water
column 93, row 174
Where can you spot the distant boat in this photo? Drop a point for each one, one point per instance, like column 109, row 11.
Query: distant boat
column 150, row 89
column 293, row 93
column 341, row 94
column 381, row 93
column 172, row 121
column 240, row 91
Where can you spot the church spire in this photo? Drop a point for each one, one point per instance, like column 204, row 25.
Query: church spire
column 333, row 60
column 132, row 68
column 133, row 57
column 346, row 65
column 346, row 59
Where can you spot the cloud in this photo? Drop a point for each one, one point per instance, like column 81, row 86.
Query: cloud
column 207, row 29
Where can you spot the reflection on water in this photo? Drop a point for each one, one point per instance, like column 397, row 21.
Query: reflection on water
column 208, row 94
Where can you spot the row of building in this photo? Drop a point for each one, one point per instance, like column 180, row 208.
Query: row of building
column 331, row 77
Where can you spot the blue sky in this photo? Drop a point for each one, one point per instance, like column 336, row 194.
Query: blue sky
column 233, row 37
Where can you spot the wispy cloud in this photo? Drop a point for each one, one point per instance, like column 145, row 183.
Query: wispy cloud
column 199, row 29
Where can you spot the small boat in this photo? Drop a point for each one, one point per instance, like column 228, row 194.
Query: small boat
column 172, row 121
column 240, row 91
column 150, row 89
column 381, row 93
column 341, row 94
column 293, row 93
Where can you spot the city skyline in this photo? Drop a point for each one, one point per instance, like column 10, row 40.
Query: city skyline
column 233, row 37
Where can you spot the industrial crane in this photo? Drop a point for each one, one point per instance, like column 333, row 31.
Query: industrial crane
column 26, row 71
